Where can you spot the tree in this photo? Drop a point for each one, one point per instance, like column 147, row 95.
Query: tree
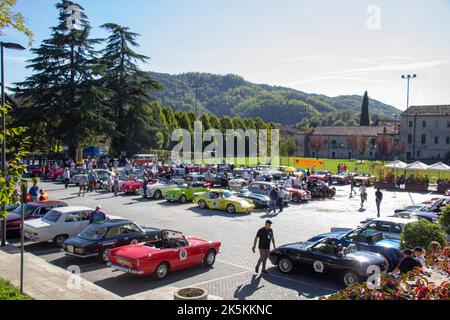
column 205, row 121
column 384, row 146
column 317, row 144
column 10, row 18
column 239, row 123
column 130, row 88
column 215, row 122
column 365, row 116
column 362, row 144
column 226, row 124
column 288, row 147
column 184, row 122
column 64, row 90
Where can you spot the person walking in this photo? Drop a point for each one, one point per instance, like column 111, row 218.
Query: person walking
column 264, row 237
column 66, row 177
column 363, row 194
column 91, row 179
column 379, row 199
column 145, row 181
column 83, row 184
column 116, row 186
column 109, row 183
column 273, row 195
column 352, row 186
column 280, row 200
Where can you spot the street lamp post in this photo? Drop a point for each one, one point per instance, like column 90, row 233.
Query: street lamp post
column 408, row 79
column 3, row 46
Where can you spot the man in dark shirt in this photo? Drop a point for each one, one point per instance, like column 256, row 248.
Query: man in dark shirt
column 379, row 199
column 273, row 195
column 265, row 237
column 407, row 265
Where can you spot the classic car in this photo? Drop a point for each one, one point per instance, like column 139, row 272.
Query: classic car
column 264, row 188
column 32, row 211
column 328, row 258
column 156, row 191
column 58, row 225
column 419, row 215
column 391, row 227
column 101, row 173
column 416, row 207
column 35, row 171
column 320, row 176
column 368, row 240
column 368, row 179
column 99, row 238
column 185, row 192
column 170, row 251
column 54, row 175
column 260, row 201
column 299, row 195
column 132, row 187
column 343, row 178
column 223, row 200
column 237, row 183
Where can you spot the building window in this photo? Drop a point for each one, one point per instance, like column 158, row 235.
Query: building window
column 333, row 142
column 334, row 155
column 436, row 125
column 424, row 139
column 350, row 155
column 418, row 154
column 408, row 156
column 410, row 138
column 424, row 124
column 448, row 124
column 410, row 124
column 436, row 140
column 447, row 140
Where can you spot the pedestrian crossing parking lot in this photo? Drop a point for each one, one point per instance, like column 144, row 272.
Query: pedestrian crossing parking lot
column 233, row 274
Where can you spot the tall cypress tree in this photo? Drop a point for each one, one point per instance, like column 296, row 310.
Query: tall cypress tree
column 63, row 95
column 365, row 117
column 134, row 117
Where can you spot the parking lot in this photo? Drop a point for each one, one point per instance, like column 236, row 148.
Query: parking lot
column 233, row 274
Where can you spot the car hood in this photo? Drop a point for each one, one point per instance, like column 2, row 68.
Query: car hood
column 13, row 217
column 366, row 257
column 135, row 251
column 37, row 224
column 175, row 190
column 296, row 246
column 241, row 201
column 79, row 242
column 257, row 196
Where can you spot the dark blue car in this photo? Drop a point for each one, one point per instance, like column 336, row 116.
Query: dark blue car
column 367, row 240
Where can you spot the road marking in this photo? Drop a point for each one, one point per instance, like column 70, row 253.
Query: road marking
column 222, row 278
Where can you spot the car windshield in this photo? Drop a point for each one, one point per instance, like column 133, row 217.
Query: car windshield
column 93, row 232
column 28, row 210
column 227, row 194
column 52, row 216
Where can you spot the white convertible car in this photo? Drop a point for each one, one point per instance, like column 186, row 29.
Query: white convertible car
column 58, row 225
column 157, row 191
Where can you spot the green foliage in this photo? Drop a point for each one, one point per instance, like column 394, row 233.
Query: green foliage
column 445, row 218
column 9, row 292
column 288, row 148
column 422, row 233
column 13, row 19
column 365, row 117
column 231, row 95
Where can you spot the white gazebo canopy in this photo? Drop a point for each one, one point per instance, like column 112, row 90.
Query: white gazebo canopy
column 396, row 165
column 417, row 166
column 440, row 166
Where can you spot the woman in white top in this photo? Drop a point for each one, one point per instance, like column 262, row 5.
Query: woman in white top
column 363, row 192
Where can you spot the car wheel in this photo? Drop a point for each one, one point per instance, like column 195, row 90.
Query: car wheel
column 202, row 204
column 104, row 255
column 231, row 209
column 350, row 278
column 162, row 271
column 183, row 199
column 59, row 240
column 285, row 265
column 157, row 195
column 209, row 259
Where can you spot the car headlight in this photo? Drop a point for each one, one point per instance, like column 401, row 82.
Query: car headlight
column 80, row 251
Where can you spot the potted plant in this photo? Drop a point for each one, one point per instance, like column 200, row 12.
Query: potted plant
column 194, row 294
column 416, row 184
column 387, row 182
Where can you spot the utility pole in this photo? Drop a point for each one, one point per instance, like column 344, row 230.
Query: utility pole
column 408, row 79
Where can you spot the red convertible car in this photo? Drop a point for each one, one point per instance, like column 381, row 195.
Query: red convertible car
column 53, row 175
column 299, row 195
column 321, row 175
column 170, row 251
column 131, row 187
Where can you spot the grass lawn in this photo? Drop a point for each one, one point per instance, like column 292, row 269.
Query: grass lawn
column 9, row 292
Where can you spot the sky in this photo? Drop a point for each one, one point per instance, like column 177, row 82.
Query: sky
column 317, row 46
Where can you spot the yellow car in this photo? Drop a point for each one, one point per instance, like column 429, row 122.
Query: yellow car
column 223, row 200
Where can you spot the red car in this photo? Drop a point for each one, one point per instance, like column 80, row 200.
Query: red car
column 53, row 175
column 321, row 175
column 343, row 177
column 131, row 187
column 169, row 251
column 299, row 195
column 35, row 170
column 33, row 210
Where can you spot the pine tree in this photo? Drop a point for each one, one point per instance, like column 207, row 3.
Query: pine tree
column 63, row 91
column 215, row 122
column 365, row 117
column 205, row 121
column 130, row 89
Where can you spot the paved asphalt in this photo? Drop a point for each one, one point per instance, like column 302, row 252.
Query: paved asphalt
column 233, row 275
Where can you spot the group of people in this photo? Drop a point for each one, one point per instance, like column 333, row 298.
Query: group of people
column 37, row 194
column 276, row 196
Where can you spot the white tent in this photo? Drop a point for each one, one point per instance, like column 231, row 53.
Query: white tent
column 440, row 166
column 417, row 166
column 396, row 165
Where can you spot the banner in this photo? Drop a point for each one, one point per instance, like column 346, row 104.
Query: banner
column 308, row 163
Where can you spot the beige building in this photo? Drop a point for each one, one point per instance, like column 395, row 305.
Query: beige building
column 426, row 132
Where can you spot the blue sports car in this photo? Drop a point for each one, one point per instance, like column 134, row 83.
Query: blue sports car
column 368, row 240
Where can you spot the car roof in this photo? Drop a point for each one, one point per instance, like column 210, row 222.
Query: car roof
column 392, row 220
column 73, row 209
column 115, row 223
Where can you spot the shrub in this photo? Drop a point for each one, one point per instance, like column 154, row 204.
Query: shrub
column 445, row 218
column 421, row 234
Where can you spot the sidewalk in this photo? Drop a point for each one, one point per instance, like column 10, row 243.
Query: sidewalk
column 44, row 281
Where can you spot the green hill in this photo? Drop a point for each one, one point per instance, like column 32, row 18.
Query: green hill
column 232, row 95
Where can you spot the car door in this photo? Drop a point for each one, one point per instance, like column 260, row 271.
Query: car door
column 324, row 259
column 128, row 233
column 72, row 224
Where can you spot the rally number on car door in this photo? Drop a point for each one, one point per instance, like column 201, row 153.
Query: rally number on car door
column 183, row 255
column 215, row 204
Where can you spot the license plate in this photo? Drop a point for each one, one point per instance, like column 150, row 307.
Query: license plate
column 124, row 263
column 71, row 249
